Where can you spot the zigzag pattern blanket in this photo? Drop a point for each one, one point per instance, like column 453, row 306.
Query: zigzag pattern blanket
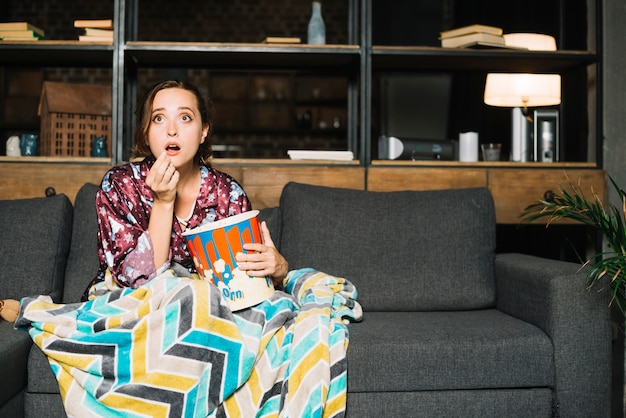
column 173, row 348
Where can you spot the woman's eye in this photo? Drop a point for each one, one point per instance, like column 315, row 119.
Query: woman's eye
column 157, row 118
column 186, row 118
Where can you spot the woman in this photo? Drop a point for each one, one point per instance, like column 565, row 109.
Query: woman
column 149, row 340
column 143, row 208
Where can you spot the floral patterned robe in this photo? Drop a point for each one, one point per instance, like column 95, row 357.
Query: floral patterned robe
column 124, row 203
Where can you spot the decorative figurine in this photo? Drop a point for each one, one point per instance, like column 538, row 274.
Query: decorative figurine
column 13, row 146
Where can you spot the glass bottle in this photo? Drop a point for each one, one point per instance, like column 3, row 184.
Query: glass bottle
column 317, row 29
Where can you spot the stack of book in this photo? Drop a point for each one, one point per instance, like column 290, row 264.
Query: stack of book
column 95, row 30
column 473, row 36
column 20, row 31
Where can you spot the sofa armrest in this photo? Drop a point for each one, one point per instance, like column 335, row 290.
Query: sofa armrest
column 553, row 296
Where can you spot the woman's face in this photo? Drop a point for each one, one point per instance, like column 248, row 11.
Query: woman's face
column 176, row 126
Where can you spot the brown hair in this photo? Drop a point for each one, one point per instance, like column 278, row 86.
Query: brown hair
column 144, row 112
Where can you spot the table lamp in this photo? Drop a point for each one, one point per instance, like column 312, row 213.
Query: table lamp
column 521, row 91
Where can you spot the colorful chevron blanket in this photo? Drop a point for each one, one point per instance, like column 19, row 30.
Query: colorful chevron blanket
column 173, row 348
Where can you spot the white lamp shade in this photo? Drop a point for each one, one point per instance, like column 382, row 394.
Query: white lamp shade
column 522, row 90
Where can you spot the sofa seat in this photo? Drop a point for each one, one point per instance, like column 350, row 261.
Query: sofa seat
column 447, row 351
column 532, row 403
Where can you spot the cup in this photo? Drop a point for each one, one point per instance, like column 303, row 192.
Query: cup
column 491, row 151
column 213, row 247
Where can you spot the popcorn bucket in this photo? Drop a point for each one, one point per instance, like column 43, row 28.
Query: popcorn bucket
column 213, row 247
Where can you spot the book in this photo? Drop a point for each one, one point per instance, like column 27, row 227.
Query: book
column 464, row 30
column 320, row 155
column 18, row 38
column 99, row 32
column 464, row 41
column 85, row 38
column 25, row 33
column 97, row 23
column 281, row 40
column 21, row 26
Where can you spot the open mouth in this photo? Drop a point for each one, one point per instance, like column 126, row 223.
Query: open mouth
column 172, row 147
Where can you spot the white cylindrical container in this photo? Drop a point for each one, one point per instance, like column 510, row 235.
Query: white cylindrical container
column 468, row 146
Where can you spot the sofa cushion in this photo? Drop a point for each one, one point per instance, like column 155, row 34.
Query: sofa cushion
column 36, row 237
column 82, row 262
column 413, row 351
column 404, row 251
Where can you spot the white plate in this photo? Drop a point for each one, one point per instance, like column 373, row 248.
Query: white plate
column 320, row 155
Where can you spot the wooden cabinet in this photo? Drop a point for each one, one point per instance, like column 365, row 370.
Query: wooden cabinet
column 264, row 182
column 424, row 178
column 514, row 186
column 31, row 178
column 515, row 189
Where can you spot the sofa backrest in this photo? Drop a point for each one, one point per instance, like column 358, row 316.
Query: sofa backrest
column 404, row 251
column 36, row 237
column 82, row 262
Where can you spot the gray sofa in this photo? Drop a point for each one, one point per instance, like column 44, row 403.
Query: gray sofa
column 449, row 329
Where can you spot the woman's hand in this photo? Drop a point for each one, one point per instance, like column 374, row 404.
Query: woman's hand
column 263, row 259
column 163, row 179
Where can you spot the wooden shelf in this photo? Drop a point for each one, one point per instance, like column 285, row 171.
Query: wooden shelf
column 56, row 53
column 235, row 55
column 432, row 58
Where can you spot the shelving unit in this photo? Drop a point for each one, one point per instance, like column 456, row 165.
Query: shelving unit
column 358, row 62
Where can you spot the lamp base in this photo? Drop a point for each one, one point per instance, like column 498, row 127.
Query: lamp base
column 522, row 149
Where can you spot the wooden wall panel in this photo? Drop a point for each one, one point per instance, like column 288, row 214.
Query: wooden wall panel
column 264, row 184
column 424, row 178
column 25, row 180
column 514, row 190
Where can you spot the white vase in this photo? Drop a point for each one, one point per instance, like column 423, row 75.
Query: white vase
column 317, row 29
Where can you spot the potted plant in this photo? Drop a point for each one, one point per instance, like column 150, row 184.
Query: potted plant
column 570, row 203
